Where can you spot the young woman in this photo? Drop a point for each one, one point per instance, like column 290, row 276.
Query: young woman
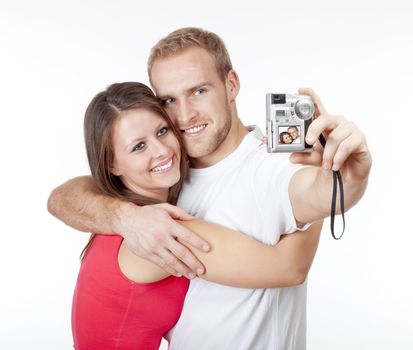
column 122, row 301
column 285, row 137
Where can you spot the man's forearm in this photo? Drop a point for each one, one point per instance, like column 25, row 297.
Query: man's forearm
column 79, row 204
column 353, row 191
column 149, row 231
column 311, row 194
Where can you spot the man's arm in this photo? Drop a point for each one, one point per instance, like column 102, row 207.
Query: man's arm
column 346, row 150
column 149, row 231
column 75, row 203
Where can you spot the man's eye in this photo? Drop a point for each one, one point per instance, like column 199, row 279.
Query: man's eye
column 162, row 131
column 139, row 146
column 167, row 101
column 199, row 92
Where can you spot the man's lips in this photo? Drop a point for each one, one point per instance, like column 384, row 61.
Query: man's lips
column 194, row 130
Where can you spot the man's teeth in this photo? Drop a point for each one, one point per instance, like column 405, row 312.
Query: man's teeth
column 195, row 129
column 162, row 167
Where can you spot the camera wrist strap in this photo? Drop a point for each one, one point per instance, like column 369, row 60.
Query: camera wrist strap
column 336, row 180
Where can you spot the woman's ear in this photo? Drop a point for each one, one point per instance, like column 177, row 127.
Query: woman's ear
column 232, row 85
column 115, row 171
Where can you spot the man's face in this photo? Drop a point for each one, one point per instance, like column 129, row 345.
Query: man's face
column 293, row 132
column 196, row 99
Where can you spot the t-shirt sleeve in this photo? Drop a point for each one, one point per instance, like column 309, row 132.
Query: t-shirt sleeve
column 272, row 176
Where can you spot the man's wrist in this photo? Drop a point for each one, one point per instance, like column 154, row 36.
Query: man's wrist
column 121, row 210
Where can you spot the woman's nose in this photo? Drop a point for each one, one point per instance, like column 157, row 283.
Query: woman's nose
column 159, row 148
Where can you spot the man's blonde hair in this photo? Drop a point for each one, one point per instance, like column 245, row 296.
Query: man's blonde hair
column 184, row 38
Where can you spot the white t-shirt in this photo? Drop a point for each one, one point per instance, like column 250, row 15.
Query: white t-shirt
column 248, row 192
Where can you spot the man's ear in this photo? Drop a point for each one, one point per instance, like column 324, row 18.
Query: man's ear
column 232, row 85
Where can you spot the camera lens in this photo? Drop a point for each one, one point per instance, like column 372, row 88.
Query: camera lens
column 304, row 108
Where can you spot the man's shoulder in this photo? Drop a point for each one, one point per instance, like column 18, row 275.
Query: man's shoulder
column 264, row 167
column 262, row 163
column 257, row 151
column 257, row 147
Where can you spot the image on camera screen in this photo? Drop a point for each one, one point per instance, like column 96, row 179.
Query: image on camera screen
column 289, row 134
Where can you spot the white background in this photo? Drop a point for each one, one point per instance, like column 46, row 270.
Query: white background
column 56, row 55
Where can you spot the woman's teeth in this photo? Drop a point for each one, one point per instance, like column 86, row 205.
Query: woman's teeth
column 162, row 167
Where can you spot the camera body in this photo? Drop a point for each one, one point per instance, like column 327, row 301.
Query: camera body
column 288, row 119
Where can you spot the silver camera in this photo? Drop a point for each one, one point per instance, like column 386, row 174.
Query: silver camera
column 288, row 119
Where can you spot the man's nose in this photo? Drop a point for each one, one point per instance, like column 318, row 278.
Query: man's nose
column 186, row 113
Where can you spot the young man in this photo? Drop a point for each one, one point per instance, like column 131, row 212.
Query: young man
column 295, row 135
column 233, row 182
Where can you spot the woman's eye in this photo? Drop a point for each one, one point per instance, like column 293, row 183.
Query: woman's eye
column 138, row 147
column 162, row 131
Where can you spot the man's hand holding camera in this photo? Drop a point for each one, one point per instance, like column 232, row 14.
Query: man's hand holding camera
column 345, row 150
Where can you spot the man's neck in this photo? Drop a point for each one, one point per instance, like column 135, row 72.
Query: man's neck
column 229, row 145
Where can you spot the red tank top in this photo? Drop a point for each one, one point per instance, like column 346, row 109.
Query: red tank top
column 110, row 311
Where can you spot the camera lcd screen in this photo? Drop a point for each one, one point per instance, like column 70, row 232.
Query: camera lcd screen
column 289, row 134
column 280, row 113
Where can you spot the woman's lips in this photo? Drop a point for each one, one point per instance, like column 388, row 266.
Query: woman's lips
column 163, row 167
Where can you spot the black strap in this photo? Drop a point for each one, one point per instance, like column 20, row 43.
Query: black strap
column 336, row 179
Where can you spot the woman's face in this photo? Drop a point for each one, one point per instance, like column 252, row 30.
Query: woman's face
column 146, row 153
column 287, row 138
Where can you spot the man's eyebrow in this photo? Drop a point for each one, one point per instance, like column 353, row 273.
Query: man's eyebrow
column 164, row 97
column 187, row 91
column 198, row 86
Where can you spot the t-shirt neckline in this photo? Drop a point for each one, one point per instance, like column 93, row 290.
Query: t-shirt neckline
column 253, row 137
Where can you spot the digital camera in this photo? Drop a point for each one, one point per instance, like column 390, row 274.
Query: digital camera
column 288, row 119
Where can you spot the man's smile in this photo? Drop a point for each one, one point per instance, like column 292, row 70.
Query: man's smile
column 194, row 130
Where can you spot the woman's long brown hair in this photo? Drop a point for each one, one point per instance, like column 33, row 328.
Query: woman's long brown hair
column 99, row 117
